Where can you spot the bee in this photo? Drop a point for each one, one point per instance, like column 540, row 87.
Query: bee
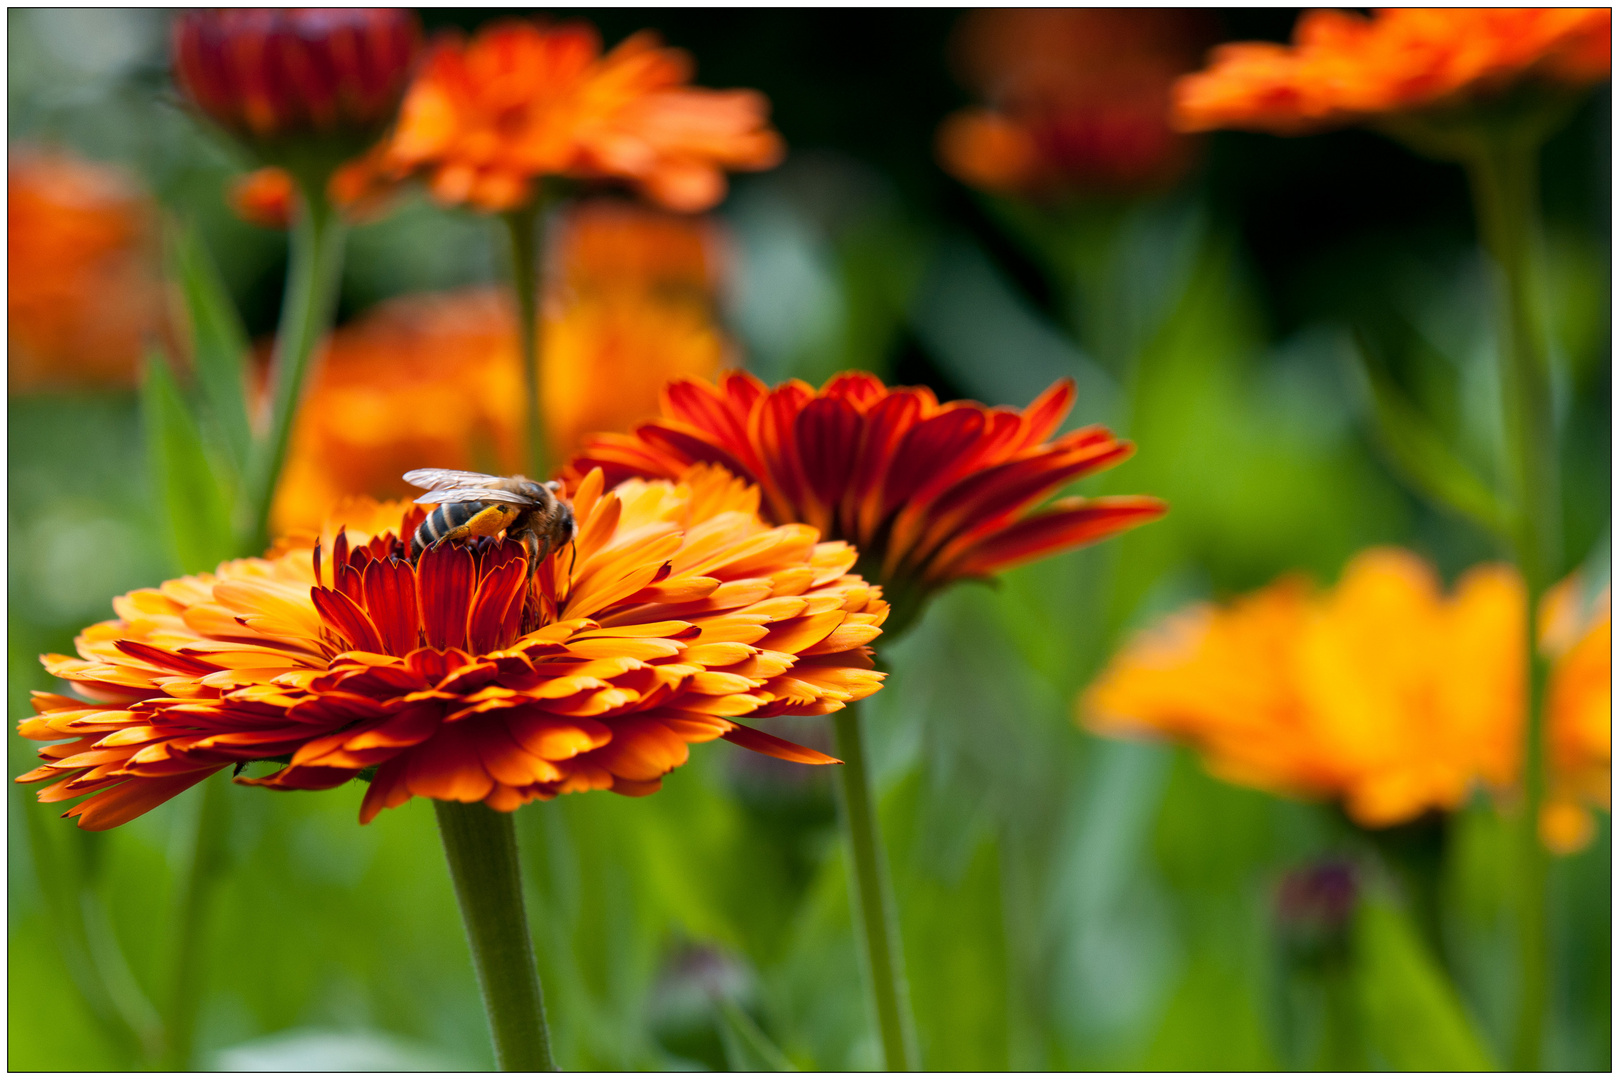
column 475, row 504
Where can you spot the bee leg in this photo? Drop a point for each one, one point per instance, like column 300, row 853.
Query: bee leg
column 545, row 549
column 573, row 557
column 532, row 546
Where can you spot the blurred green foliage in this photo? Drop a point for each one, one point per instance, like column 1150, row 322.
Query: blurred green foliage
column 1066, row 902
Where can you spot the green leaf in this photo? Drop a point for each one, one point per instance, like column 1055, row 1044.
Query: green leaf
column 1421, row 455
column 747, row 1047
column 219, row 343
column 1412, row 1015
column 192, row 500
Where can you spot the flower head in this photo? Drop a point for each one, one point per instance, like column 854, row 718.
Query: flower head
column 272, row 73
column 929, row 493
column 84, row 293
column 1078, row 100
column 1577, row 634
column 1382, row 693
column 466, row 674
column 1347, row 69
column 520, row 101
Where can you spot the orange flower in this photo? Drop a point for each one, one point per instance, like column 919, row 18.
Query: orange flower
column 629, row 305
column 521, row 101
column 1347, row 69
column 929, row 493
column 84, row 294
column 1579, row 712
column 266, row 197
column 431, row 378
column 1382, row 692
column 461, row 676
column 1079, row 100
column 263, row 197
column 269, row 73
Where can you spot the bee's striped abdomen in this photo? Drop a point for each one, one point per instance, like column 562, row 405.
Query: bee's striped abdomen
column 444, row 519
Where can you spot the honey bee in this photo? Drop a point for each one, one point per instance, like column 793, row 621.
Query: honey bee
column 476, row 504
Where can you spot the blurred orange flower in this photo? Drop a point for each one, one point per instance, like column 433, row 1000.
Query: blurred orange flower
column 1078, row 99
column 265, row 197
column 929, row 493
column 1345, row 69
column 486, row 118
column 466, row 675
column 1578, row 638
column 1382, row 692
column 436, row 379
column 418, row 380
column 84, row 293
column 629, row 305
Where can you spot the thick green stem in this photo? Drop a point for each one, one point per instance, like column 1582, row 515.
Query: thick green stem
column 524, row 242
column 1504, row 190
column 314, row 272
column 873, row 901
column 481, row 845
column 196, row 888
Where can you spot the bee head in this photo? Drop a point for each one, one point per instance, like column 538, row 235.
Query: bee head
column 532, row 489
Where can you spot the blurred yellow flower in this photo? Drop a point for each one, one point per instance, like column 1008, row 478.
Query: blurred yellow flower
column 435, row 380
column 84, row 291
column 1578, row 638
column 1382, row 692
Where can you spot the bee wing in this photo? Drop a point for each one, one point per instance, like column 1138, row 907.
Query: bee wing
column 472, row 494
column 447, row 478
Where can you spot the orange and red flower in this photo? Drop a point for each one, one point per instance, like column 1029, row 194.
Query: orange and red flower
column 1381, row 693
column 929, row 493
column 466, row 674
column 489, row 117
column 1347, row 69
column 1078, row 100
column 270, row 73
column 84, row 291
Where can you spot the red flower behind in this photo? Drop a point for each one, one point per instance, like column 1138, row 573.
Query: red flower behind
column 929, row 493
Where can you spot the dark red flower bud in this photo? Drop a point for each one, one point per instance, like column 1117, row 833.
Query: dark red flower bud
column 268, row 73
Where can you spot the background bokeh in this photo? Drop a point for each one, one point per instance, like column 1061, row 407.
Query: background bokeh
column 1068, row 901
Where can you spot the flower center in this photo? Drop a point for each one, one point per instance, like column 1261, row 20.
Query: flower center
column 477, row 596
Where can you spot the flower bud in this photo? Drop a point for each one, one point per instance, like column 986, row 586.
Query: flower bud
column 273, row 73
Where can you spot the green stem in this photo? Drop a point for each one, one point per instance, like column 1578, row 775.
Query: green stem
column 201, row 874
column 66, row 881
column 1502, row 172
column 873, row 902
column 481, row 846
column 1342, row 1047
column 314, row 272
column 524, row 244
